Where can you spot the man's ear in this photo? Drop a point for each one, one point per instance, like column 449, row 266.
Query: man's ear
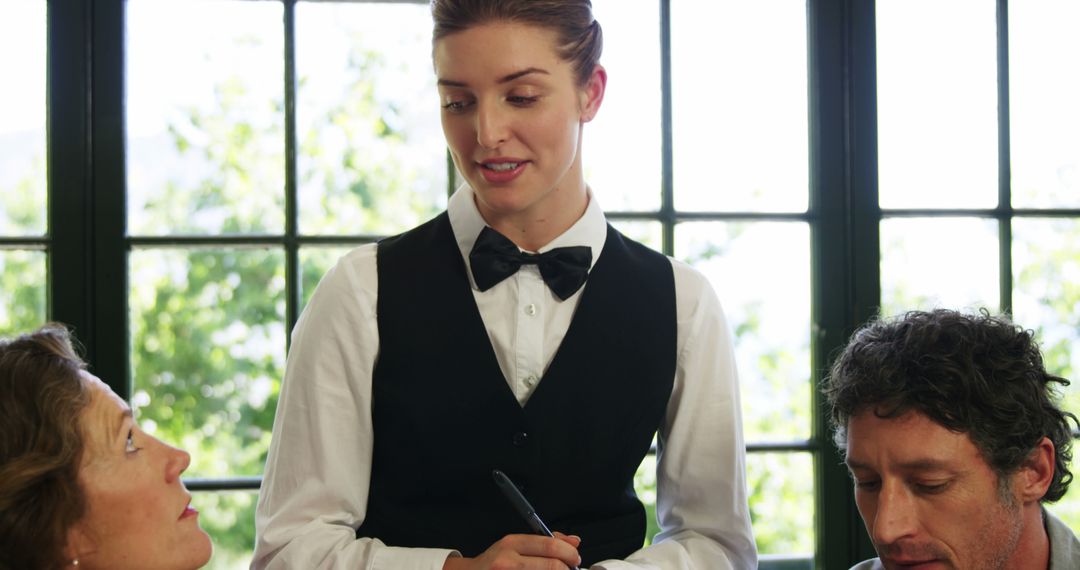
column 593, row 93
column 1037, row 472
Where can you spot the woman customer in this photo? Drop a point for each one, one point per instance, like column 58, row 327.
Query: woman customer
column 81, row 486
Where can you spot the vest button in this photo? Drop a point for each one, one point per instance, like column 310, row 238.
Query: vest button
column 521, row 439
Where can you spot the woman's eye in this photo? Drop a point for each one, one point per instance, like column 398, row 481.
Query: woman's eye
column 522, row 100
column 129, row 447
column 455, row 106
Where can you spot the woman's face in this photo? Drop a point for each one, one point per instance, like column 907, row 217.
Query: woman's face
column 138, row 511
column 512, row 113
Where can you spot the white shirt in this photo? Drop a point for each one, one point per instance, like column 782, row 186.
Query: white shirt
column 315, row 488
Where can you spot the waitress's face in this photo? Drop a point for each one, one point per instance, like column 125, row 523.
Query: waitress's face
column 512, row 112
column 138, row 511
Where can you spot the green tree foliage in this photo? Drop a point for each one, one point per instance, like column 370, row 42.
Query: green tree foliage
column 1047, row 299
column 208, row 329
column 22, row 272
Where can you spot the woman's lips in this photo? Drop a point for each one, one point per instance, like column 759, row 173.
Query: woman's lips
column 189, row 512
column 501, row 171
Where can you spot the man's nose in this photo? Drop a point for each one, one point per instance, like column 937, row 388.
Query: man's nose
column 896, row 515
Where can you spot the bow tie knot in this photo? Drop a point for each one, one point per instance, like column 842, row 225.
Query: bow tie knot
column 494, row 258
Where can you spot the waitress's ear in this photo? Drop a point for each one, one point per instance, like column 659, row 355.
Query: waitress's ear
column 592, row 95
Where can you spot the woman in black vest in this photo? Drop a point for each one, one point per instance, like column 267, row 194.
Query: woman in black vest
column 516, row 331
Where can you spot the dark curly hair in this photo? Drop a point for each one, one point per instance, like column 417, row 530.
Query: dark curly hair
column 579, row 35
column 976, row 374
column 42, row 395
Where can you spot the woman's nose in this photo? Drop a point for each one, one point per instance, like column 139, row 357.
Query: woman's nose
column 492, row 126
column 179, row 460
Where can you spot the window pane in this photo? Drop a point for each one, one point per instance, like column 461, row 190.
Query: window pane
column 761, row 272
column 645, row 486
column 229, row 518
column 1068, row 508
column 782, row 502
column 372, row 156
column 938, row 262
column 22, row 290
column 1046, row 293
column 937, row 104
column 621, row 154
column 1046, row 298
column 208, row 343
column 647, row 233
column 205, row 126
column 314, row 263
column 22, row 119
column 739, row 105
column 1044, row 103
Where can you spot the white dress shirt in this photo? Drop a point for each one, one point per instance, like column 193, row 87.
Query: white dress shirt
column 315, row 488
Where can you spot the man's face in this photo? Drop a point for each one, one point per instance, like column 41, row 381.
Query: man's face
column 928, row 498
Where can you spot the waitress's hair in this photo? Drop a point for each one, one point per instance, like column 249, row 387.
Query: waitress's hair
column 42, row 396
column 579, row 37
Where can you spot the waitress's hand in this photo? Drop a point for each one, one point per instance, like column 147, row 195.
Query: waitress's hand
column 524, row 551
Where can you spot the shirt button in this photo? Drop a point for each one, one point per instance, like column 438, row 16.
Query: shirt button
column 530, row 381
column 530, row 309
column 521, row 439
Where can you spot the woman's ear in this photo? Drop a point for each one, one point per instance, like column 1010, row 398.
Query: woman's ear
column 593, row 93
column 78, row 544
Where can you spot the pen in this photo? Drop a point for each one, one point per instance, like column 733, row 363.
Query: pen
column 522, row 505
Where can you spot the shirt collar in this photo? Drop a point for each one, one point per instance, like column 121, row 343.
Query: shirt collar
column 465, row 220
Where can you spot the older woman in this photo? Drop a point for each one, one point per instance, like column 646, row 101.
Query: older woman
column 80, row 484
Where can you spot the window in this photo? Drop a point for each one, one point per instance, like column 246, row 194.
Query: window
column 809, row 157
column 22, row 169
column 980, row 176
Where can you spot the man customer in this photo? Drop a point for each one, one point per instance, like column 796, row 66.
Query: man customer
column 950, row 430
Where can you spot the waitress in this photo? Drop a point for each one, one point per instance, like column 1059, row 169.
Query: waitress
column 516, row 331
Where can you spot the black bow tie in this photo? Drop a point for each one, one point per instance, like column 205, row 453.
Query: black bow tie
column 494, row 258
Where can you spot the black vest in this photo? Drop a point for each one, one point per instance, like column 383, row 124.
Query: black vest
column 444, row 416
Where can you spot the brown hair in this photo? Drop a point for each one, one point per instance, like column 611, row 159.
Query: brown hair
column 580, row 39
column 41, row 398
column 978, row 374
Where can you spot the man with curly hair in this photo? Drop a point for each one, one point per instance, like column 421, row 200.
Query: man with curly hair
column 949, row 426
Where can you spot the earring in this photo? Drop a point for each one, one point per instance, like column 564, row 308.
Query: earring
column 75, row 562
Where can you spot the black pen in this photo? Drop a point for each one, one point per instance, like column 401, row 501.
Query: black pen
column 521, row 504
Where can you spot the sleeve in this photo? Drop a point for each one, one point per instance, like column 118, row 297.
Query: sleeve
column 315, row 486
column 702, row 503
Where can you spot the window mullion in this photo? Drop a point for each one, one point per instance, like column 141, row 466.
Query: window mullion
column 69, row 259
column 293, row 274
column 667, row 189
column 87, row 254
column 1004, row 160
column 109, row 199
column 844, row 243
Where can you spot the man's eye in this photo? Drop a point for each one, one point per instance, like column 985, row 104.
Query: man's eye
column 868, row 485
column 931, row 488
